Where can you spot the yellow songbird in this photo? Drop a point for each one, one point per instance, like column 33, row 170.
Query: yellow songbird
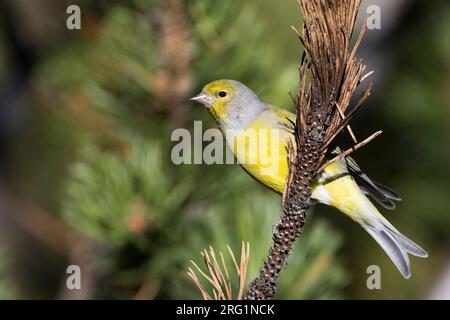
column 258, row 132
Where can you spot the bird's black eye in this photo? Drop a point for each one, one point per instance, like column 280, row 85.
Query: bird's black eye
column 222, row 94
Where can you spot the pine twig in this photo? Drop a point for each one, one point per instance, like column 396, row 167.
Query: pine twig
column 218, row 275
column 173, row 80
column 349, row 129
column 350, row 150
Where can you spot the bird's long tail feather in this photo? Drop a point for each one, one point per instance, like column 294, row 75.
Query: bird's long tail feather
column 410, row 246
column 344, row 193
column 396, row 245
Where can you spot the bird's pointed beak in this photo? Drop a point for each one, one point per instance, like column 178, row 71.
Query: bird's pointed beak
column 202, row 98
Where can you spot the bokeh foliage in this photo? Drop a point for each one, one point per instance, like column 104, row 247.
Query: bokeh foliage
column 95, row 151
column 122, row 190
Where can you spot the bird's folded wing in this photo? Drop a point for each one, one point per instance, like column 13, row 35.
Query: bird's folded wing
column 385, row 196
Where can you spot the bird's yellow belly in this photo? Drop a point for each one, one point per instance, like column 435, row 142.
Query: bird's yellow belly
column 341, row 193
column 263, row 154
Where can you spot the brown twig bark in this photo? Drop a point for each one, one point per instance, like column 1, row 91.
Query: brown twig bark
column 329, row 76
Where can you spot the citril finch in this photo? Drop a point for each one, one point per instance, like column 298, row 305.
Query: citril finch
column 241, row 116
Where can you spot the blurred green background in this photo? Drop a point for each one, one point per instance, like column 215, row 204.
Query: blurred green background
column 86, row 177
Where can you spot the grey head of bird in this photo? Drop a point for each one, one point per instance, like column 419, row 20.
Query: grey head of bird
column 232, row 104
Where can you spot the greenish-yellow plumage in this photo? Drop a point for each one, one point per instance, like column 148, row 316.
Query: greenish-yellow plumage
column 258, row 132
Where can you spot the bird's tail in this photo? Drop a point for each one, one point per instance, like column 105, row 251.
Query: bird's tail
column 344, row 194
column 395, row 244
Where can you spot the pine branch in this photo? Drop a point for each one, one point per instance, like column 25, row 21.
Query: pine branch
column 218, row 276
column 172, row 83
column 329, row 76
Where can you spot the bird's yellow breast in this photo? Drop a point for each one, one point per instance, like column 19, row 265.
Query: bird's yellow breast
column 262, row 150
